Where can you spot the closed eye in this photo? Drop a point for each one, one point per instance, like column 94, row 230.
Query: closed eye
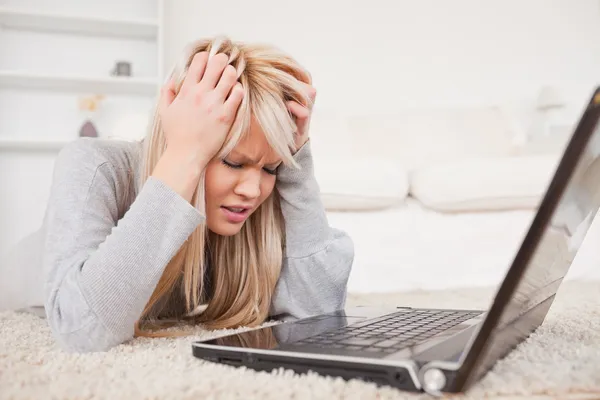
column 240, row 166
column 231, row 165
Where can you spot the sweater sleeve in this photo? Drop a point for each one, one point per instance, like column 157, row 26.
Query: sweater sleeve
column 100, row 271
column 318, row 258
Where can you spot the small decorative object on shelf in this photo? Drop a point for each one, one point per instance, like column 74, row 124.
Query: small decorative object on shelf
column 122, row 68
column 89, row 105
column 88, row 130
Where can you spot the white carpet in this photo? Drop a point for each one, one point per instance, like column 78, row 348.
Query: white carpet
column 560, row 360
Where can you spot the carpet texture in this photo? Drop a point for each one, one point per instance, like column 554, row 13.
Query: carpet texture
column 560, row 360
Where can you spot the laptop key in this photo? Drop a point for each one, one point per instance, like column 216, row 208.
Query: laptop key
column 388, row 343
column 359, row 342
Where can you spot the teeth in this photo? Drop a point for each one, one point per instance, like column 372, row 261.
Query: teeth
column 236, row 209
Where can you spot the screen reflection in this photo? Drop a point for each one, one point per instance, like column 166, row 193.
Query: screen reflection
column 562, row 233
column 276, row 336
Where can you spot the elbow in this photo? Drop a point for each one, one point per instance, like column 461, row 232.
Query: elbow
column 342, row 250
column 340, row 260
column 75, row 325
column 348, row 252
column 335, row 268
column 80, row 331
column 89, row 339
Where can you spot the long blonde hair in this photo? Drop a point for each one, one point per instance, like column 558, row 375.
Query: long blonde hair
column 244, row 268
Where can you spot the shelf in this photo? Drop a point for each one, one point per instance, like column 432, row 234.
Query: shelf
column 32, row 143
column 107, row 85
column 78, row 24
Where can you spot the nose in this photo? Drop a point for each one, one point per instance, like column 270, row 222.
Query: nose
column 249, row 185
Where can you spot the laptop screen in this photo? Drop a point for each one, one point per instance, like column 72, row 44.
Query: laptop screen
column 556, row 234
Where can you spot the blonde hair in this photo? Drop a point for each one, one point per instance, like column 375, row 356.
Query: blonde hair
column 244, row 268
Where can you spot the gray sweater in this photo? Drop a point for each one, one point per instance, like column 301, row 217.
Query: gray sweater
column 104, row 254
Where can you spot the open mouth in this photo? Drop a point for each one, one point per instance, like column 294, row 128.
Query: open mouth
column 235, row 214
column 236, row 210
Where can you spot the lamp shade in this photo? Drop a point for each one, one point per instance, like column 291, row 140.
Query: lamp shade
column 549, row 97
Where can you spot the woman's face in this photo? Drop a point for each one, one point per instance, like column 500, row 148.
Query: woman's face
column 236, row 186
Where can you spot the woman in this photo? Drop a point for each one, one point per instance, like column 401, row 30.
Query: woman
column 214, row 219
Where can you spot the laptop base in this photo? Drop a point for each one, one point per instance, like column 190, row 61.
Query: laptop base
column 367, row 353
column 403, row 378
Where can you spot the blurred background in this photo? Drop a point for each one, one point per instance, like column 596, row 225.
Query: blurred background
column 437, row 126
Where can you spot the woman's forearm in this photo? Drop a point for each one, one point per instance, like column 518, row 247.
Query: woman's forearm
column 307, row 227
column 181, row 169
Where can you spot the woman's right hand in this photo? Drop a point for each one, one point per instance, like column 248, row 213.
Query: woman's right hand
column 196, row 121
column 199, row 117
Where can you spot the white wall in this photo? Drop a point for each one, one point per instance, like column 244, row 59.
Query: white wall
column 380, row 55
column 365, row 57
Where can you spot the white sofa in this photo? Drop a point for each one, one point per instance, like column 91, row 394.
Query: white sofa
column 435, row 198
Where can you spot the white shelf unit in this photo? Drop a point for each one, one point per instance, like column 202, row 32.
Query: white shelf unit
column 32, row 143
column 80, row 84
column 54, row 54
column 29, row 23
column 78, row 24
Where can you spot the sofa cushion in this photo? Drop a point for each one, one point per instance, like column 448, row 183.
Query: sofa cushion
column 360, row 185
column 484, row 184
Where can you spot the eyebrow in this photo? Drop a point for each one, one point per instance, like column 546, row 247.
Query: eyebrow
column 245, row 159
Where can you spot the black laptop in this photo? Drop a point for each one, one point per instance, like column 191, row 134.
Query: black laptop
column 442, row 350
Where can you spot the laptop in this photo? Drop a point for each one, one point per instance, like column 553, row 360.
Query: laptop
column 442, row 350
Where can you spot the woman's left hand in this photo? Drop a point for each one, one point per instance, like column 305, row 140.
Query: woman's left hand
column 302, row 115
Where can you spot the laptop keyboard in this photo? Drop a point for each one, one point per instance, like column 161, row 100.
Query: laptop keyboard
column 395, row 332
